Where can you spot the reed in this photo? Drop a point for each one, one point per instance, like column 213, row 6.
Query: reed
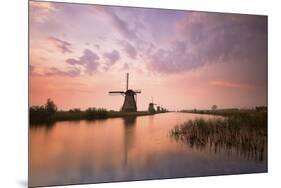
column 245, row 133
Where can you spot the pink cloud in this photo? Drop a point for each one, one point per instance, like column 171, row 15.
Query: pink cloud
column 40, row 11
column 53, row 71
column 71, row 72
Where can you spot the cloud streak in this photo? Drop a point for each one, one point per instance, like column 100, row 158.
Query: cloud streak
column 129, row 49
column 120, row 25
column 53, row 71
column 61, row 45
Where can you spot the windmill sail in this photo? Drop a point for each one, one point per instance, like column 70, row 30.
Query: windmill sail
column 116, row 92
column 137, row 91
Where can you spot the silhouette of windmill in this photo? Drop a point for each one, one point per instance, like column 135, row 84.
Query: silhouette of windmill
column 130, row 104
column 151, row 108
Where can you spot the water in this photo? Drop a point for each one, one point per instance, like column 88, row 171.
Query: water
column 122, row 149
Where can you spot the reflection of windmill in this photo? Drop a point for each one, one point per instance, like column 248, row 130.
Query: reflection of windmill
column 129, row 136
column 151, row 108
column 129, row 104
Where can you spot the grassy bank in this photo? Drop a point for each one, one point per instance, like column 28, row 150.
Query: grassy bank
column 48, row 114
column 97, row 114
column 242, row 132
column 41, row 117
column 226, row 112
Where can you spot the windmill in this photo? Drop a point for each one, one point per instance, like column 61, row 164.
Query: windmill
column 130, row 104
column 151, row 108
column 159, row 108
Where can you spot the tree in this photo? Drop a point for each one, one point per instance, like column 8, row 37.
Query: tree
column 51, row 107
column 214, row 107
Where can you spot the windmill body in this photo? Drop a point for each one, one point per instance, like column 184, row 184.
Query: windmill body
column 151, row 108
column 130, row 104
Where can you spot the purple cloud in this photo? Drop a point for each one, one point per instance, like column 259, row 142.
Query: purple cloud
column 120, row 25
column 89, row 60
column 112, row 56
column 212, row 38
column 129, row 49
column 130, row 28
column 171, row 61
column 62, row 46
column 97, row 46
column 225, row 36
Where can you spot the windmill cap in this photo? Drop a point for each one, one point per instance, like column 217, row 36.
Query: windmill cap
column 130, row 92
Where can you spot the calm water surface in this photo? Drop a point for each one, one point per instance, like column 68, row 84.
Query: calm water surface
column 121, row 149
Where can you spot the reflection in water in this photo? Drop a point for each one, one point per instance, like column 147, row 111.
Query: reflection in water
column 129, row 135
column 46, row 126
column 121, row 149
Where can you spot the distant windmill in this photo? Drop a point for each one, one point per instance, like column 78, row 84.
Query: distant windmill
column 129, row 104
column 151, row 108
column 158, row 108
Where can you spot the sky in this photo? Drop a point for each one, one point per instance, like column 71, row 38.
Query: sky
column 181, row 59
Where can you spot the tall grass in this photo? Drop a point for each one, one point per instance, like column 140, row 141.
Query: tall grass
column 245, row 133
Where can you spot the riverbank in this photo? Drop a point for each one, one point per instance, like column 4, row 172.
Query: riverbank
column 90, row 114
column 226, row 112
column 64, row 116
